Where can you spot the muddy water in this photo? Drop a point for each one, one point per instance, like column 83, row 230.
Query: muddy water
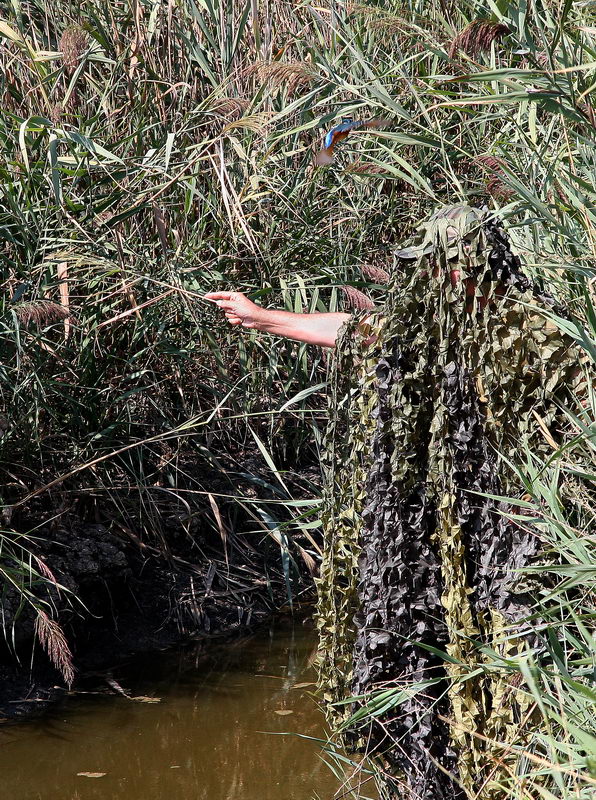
column 208, row 738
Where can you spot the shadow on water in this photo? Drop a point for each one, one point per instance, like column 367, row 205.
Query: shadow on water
column 205, row 740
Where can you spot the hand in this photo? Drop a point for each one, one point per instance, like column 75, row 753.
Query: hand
column 239, row 310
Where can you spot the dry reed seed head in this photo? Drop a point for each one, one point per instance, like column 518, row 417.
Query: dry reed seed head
column 40, row 312
column 499, row 190
column 367, row 168
column 490, row 162
column 379, row 19
column 477, row 37
column 231, row 107
column 73, row 44
column 44, row 570
column 362, row 8
column 392, row 25
column 253, row 122
column 52, row 639
column 561, row 193
column 543, row 60
column 357, row 299
column 376, row 274
column 56, row 113
column 494, row 184
column 291, row 74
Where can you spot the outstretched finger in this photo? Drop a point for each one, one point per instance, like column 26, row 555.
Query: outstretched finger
column 227, row 305
column 215, row 296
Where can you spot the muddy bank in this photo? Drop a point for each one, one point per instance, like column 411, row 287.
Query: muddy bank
column 115, row 591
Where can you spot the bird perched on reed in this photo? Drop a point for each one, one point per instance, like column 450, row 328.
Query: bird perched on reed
column 339, row 132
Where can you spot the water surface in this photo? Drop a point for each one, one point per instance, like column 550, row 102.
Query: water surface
column 205, row 740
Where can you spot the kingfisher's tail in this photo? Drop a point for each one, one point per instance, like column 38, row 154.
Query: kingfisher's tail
column 376, row 123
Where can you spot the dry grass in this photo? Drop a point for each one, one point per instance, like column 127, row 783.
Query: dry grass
column 201, row 122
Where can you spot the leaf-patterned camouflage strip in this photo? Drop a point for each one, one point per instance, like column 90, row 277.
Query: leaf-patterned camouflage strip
column 460, row 366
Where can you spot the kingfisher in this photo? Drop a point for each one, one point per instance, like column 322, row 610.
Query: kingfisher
column 339, row 132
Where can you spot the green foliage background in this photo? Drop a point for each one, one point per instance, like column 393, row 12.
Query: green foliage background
column 154, row 150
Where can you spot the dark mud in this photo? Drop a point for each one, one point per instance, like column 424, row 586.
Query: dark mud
column 117, row 591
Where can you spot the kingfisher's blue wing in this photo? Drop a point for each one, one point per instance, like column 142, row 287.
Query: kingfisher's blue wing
column 328, row 140
column 339, row 132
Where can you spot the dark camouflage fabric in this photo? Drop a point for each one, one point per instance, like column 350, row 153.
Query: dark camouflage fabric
column 434, row 396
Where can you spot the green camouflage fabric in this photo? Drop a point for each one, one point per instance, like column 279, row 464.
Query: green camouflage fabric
column 433, row 395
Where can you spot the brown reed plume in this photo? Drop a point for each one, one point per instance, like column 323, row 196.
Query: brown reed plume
column 40, row 312
column 356, row 299
column 52, row 639
column 291, row 74
column 494, row 169
column 367, row 168
column 379, row 19
column 44, row 570
column 230, row 107
column 477, row 37
column 376, row 274
column 56, row 113
column 73, row 43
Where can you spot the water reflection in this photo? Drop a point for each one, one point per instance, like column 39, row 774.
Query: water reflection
column 203, row 741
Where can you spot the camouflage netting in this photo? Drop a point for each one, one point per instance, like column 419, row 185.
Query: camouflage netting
column 455, row 372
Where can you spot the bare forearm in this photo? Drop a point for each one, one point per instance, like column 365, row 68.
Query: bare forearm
column 319, row 329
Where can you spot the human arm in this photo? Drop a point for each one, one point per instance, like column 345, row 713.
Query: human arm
column 320, row 328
